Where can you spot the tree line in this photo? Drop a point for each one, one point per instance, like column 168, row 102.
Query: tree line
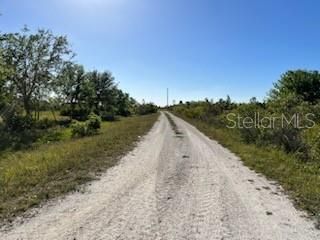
column 38, row 73
column 288, row 118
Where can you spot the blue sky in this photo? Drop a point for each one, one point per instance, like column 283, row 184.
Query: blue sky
column 197, row 48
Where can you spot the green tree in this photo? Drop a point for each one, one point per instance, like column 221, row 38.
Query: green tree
column 123, row 103
column 4, row 74
column 35, row 60
column 104, row 90
column 304, row 85
column 70, row 85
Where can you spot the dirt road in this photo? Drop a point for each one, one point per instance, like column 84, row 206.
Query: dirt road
column 172, row 186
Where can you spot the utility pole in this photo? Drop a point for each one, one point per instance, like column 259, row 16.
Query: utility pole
column 167, row 97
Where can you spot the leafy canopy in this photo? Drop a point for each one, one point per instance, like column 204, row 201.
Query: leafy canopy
column 305, row 85
column 35, row 59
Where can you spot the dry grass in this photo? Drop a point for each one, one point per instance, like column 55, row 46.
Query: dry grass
column 301, row 180
column 51, row 115
column 29, row 177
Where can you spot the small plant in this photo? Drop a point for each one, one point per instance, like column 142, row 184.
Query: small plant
column 88, row 128
column 79, row 129
column 93, row 124
column 311, row 137
column 94, row 121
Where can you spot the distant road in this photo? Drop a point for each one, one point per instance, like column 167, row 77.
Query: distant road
column 174, row 185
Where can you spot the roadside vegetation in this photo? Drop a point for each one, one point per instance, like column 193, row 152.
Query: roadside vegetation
column 59, row 124
column 43, row 91
column 279, row 137
column 30, row 176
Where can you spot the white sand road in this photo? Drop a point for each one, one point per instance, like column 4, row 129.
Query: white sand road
column 172, row 187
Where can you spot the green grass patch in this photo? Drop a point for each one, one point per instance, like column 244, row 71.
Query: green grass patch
column 49, row 170
column 300, row 180
column 55, row 115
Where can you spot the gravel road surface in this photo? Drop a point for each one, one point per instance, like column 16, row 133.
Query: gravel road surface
column 172, row 186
